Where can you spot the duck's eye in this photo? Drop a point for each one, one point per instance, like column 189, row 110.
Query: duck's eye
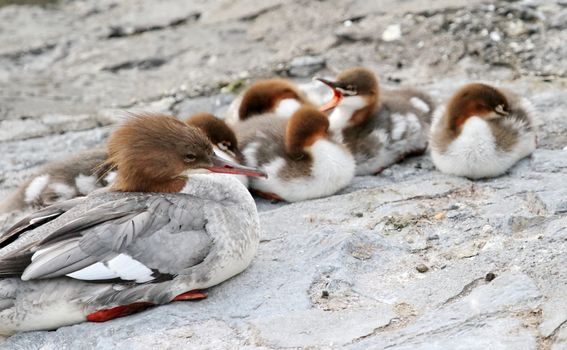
column 224, row 145
column 502, row 110
column 190, row 157
column 351, row 90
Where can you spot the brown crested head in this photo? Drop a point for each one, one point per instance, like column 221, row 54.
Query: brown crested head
column 306, row 126
column 152, row 153
column 358, row 80
column 264, row 96
column 476, row 99
column 354, row 82
column 218, row 132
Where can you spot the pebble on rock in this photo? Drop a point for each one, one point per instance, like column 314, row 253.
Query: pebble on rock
column 392, row 33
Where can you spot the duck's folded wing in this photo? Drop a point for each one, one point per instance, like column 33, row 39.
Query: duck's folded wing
column 140, row 245
column 36, row 219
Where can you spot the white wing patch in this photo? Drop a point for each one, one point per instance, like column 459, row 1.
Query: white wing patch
column 64, row 191
column 407, row 135
column 85, row 184
column 130, row 269
column 122, row 266
column 419, row 104
column 34, row 189
column 93, row 272
column 400, row 126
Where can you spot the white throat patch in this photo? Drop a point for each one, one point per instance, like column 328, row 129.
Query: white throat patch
column 340, row 117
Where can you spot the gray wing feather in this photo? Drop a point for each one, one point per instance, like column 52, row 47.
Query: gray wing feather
column 81, row 243
column 36, row 219
column 63, row 254
column 122, row 208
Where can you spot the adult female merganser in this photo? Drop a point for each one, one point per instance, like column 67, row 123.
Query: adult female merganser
column 61, row 180
column 300, row 158
column 380, row 129
column 276, row 96
column 482, row 132
column 141, row 248
column 222, row 137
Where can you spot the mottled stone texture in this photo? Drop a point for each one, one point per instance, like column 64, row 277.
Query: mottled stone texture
column 409, row 259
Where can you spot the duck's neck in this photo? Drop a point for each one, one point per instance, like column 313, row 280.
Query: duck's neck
column 133, row 183
column 340, row 118
column 352, row 112
column 344, row 117
column 223, row 188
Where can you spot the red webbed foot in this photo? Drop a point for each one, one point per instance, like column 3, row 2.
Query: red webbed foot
column 118, row 311
column 191, row 295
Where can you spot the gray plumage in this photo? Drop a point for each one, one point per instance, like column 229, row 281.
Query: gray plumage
column 188, row 241
column 396, row 129
column 267, row 131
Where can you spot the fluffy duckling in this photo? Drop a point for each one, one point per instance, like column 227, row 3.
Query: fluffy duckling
column 299, row 156
column 482, row 132
column 379, row 127
column 59, row 181
column 222, row 137
column 118, row 251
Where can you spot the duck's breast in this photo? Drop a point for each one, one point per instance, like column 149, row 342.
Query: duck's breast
column 332, row 168
column 475, row 152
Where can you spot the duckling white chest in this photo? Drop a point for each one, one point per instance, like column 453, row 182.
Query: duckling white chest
column 332, row 169
column 475, row 154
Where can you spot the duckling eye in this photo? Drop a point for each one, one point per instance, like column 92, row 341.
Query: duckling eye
column 224, row 145
column 190, row 157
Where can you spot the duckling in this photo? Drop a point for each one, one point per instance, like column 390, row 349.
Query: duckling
column 299, row 156
column 61, row 180
column 138, row 244
column 222, row 137
column 482, row 132
column 379, row 127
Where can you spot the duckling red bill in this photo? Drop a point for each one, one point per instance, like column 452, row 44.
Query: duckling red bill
column 337, row 95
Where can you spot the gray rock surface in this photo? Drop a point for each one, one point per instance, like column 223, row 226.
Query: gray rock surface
column 338, row 272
